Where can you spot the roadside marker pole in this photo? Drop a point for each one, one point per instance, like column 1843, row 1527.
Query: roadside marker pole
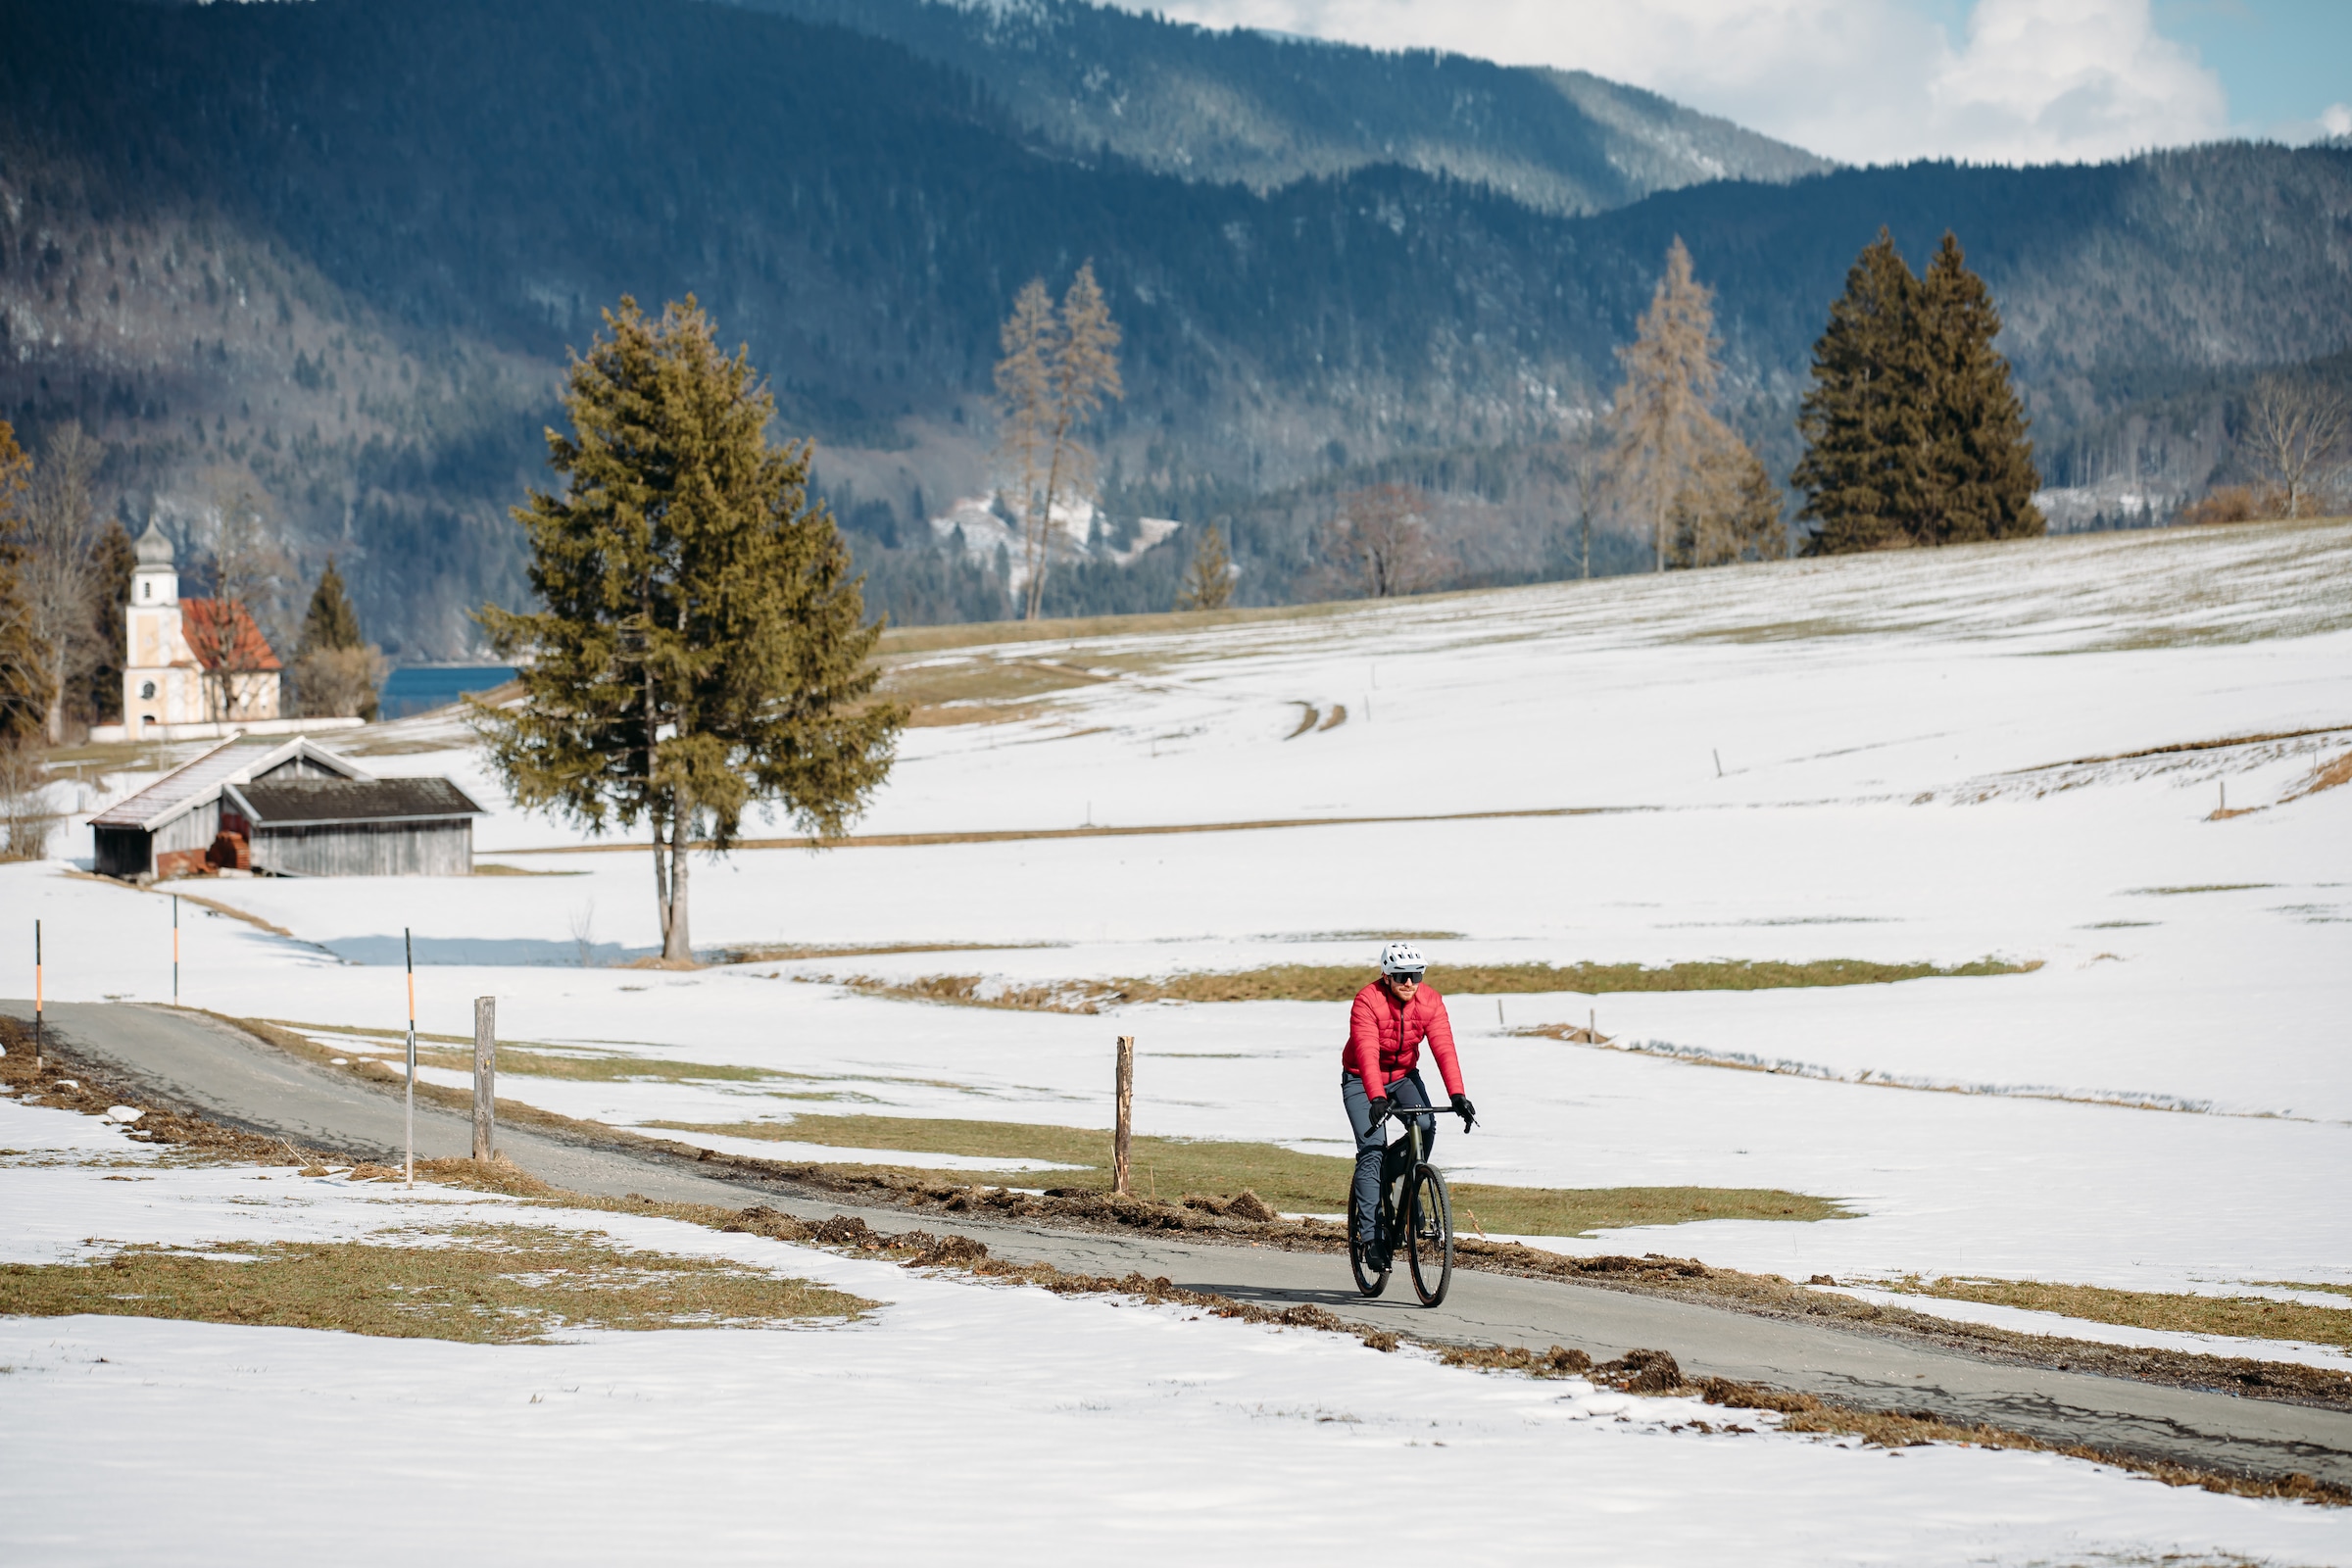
column 176, row 949
column 38, row 1038
column 409, row 949
column 1122, row 1136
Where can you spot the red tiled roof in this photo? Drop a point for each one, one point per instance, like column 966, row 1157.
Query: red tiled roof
column 209, row 637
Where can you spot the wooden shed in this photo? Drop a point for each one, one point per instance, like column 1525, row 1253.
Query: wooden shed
column 285, row 807
column 353, row 826
column 169, row 827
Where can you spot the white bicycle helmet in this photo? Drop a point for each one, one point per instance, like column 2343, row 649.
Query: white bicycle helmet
column 1401, row 957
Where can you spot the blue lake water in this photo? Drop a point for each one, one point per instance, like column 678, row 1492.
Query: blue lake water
column 414, row 688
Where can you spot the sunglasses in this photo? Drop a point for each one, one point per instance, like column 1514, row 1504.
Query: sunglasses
column 1407, row 977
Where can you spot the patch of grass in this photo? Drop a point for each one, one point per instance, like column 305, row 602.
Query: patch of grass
column 2297, row 1285
column 785, row 952
column 2241, row 1316
column 1290, row 1181
column 1303, row 982
column 984, row 689
column 581, row 1066
column 495, row 1284
column 2201, row 887
column 493, row 869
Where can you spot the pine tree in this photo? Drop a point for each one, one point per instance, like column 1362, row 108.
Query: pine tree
column 1864, row 420
column 702, row 647
column 1979, row 478
column 1208, row 580
column 113, row 561
column 332, row 622
column 336, row 670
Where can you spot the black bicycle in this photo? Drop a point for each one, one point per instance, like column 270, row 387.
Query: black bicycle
column 1420, row 1196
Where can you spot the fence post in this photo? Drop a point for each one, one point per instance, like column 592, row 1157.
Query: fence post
column 41, row 1039
column 485, row 1074
column 1122, row 1135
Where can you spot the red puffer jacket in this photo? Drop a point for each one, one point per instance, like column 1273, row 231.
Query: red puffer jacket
column 1383, row 1040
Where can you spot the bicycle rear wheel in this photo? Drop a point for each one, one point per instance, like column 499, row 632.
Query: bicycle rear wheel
column 1367, row 1280
column 1429, row 1235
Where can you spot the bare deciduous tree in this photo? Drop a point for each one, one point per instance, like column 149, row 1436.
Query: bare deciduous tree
column 1051, row 383
column 1660, row 414
column 26, row 820
column 57, row 573
column 250, row 579
column 1678, row 470
column 1378, row 543
column 2295, row 436
column 1024, row 395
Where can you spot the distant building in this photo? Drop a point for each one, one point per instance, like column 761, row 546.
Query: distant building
column 194, row 669
column 285, row 807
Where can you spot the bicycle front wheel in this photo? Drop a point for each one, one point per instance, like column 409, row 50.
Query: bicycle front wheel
column 1429, row 1235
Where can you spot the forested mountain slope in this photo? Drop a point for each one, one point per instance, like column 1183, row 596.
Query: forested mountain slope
column 346, row 244
column 1267, row 111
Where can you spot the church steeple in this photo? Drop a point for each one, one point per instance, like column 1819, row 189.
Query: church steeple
column 154, row 581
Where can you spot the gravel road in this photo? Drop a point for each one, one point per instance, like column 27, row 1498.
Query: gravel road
column 193, row 1062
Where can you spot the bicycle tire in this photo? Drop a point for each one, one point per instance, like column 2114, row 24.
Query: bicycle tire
column 1366, row 1281
column 1429, row 1235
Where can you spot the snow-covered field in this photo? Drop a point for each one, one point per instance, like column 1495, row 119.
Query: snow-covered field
column 1911, row 768
column 1907, row 757
column 961, row 1420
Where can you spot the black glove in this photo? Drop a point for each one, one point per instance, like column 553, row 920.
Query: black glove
column 1377, row 1108
column 1464, row 1110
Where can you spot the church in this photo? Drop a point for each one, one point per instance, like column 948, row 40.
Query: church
column 193, row 668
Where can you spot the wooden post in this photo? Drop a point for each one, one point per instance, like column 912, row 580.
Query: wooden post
column 1122, row 1137
column 485, row 1074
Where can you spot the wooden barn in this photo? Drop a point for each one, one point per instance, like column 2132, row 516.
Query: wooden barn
column 285, row 807
column 353, row 826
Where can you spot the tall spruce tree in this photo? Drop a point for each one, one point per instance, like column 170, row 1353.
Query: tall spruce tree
column 335, row 669
column 113, row 561
column 1864, row 419
column 1979, row 476
column 1208, row 578
column 330, row 621
column 702, row 647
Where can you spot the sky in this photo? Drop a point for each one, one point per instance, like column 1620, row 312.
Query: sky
column 1889, row 80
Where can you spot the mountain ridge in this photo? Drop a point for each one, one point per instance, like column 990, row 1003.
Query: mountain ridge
column 346, row 247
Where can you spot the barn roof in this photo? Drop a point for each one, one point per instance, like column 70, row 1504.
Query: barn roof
column 199, row 783
column 324, row 802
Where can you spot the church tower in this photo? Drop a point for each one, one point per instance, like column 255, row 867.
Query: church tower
column 162, row 682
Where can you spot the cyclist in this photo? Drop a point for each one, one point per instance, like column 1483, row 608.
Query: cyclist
column 1381, row 1069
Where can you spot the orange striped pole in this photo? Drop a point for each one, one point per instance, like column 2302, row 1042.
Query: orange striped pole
column 176, row 949
column 39, row 1033
column 409, row 949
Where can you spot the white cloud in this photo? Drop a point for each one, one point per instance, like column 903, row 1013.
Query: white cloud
column 1863, row 80
column 2337, row 119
